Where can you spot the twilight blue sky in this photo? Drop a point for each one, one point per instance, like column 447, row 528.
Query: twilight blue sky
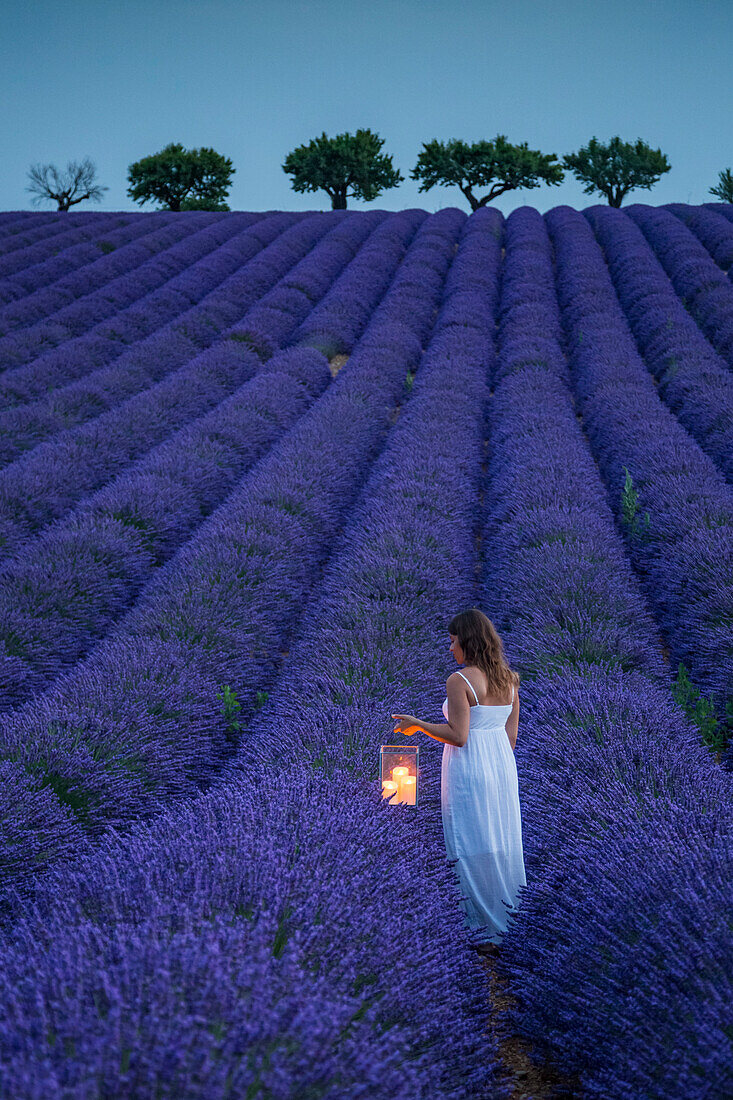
column 118, row 80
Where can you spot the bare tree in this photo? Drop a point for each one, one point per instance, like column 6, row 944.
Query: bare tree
column 67, row 188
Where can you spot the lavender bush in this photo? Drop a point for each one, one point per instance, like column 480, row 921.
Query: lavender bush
column 166, row 288
column 684, row 552
column 100, row 278
column 693, row 379
column 85, row 458
column 84, row 355
column 705, row 291
column 50, row 234
column 226, row 953
column 202, row 892
column 221, row 610
column 724, row 208
column 336, row 322
column 605, row 958
column 26, row 272
column 397, row 877
column 710, row 227
column 17, row 222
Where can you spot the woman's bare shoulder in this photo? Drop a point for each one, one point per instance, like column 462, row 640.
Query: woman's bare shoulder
column 456, row 683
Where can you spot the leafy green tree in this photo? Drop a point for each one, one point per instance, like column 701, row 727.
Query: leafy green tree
column 724, row 190
column 616, row 168
column 347, row 161
column 182, row 179
column 66, row 189
column 496, row 164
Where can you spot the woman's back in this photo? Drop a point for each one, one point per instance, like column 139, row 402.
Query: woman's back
column 477, row 679
column 488, row 715
column 482, row 824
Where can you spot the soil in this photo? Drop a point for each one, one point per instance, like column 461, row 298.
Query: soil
column 528, row 1080
column 336, row 363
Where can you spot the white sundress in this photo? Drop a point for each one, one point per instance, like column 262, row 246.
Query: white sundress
column 482, row 823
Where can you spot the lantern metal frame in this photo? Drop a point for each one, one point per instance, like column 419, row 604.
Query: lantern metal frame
column 393, row 756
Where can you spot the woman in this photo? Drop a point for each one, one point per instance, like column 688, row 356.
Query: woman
column 479, row 794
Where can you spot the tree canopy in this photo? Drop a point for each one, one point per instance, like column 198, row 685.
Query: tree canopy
column 496, row 164
column 346, row 166
column 182, row 179
column 67, row 188
column 617, row 167
column 724, row 190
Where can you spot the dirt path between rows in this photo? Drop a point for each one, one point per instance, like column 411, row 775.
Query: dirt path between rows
column 528, row 1080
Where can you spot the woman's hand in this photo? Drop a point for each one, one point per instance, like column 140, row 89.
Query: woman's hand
column 407, row 724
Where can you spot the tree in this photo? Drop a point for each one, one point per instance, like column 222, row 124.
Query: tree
column 616, row 168
column 336, row 164
column 724, row 190
column 497, row 163
column 182, row 179
column 76, row 184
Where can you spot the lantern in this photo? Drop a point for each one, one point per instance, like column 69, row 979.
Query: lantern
column 398, row 769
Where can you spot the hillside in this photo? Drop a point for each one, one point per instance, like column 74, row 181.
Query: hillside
column 250, row 466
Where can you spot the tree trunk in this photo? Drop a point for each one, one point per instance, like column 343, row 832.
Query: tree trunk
column 467, row 191
column 338, row 201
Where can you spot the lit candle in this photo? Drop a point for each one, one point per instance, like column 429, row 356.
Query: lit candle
column 399, row 774
column 408, row 790
column 389, row 789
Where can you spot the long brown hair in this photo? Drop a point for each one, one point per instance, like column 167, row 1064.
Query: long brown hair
column 483, row 648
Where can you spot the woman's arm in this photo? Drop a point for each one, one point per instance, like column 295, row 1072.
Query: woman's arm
column 512, row 722
column 454, row 732
column 440, row 731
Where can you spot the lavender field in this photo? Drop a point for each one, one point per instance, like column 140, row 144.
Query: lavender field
column 250, row 466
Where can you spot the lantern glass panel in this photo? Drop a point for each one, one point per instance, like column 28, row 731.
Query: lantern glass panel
column 398, row 772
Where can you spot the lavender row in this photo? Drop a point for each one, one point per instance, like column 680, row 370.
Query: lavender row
column 66, row 588
column 352, row 300
column 715, row 231
column 238, row 272
column 140, row 279
column 692, row 378
column 305, row 484
column 685, row 551
column 139, row 722
column 105, row 284
column 55, row 601
column 369, row 642
column 299, row 859
column 82, row 356
column 608, row 952
column 47, row 483
column 278, row 314
column 724, row 208
column 45, row 288
column 13, row 222
column 565, row 512
column 29, row 270
column 226, row 953
column 46, row 241
column 26, row 232
column 136, row 722
column 705, row 291
column 337, row 321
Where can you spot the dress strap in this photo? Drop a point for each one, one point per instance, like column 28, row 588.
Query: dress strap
column 473, row 689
